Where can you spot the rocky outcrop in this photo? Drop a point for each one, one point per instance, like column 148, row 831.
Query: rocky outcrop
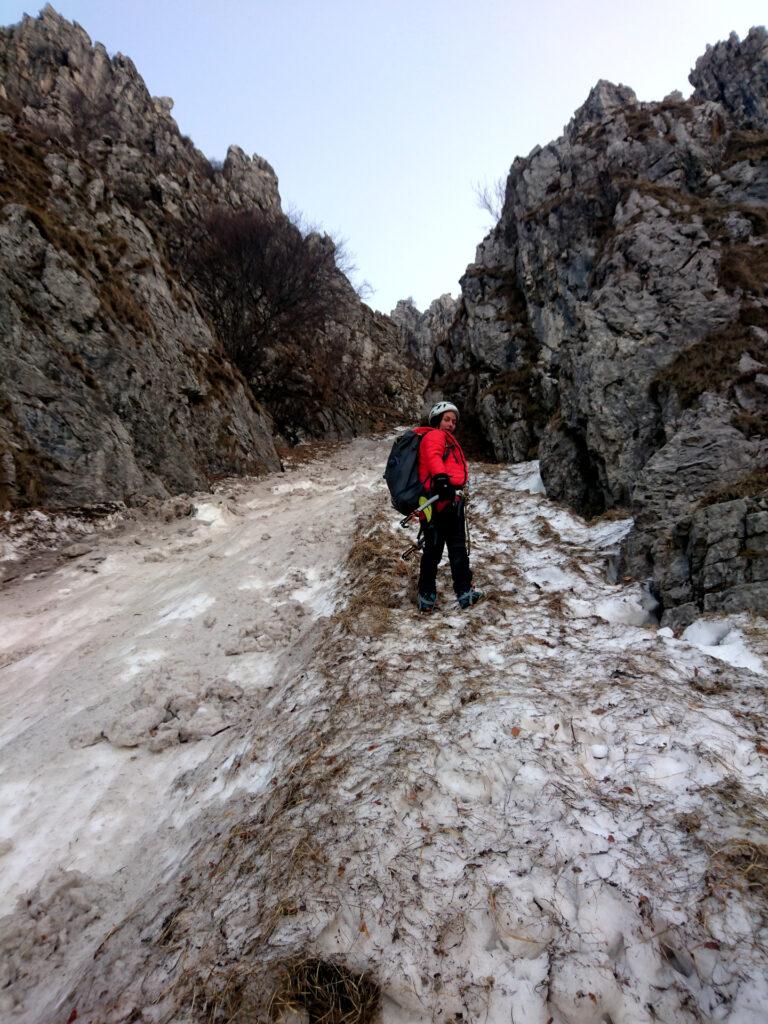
column 423, row 332
column 734, row 74
column 113, row 382
column 616, row 321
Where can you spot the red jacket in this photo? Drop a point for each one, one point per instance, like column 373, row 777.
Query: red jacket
column 440, row 452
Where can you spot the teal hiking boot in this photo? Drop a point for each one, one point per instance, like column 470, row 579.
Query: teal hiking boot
column 470, row 597
column 427, row 602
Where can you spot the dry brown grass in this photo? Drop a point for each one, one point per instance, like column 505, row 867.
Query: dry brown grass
column 753, row 425
column 746, row 145
column 380, row 580
column 745, row 267
column 711, row 364
column 121, row 306
column 329, row 992
column 732, row 826
column 742, row 864
column 640, row 124
column 546, row 530
column 556, row 603
column 752, row 485
column 26, row 178
column 677, row 108
column 611, row 515
column 27, row 182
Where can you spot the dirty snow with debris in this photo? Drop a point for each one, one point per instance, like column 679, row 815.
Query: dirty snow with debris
column 226, row 747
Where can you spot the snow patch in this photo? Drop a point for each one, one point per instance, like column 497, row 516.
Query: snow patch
column 187, row 608
column 513, row 812
column 526, row 476
column 137, row 661
column 216, row 515
column 291, row 486
column 721, row 640
column 627, row 609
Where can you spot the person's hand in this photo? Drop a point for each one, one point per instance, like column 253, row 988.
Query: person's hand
column 443, row 487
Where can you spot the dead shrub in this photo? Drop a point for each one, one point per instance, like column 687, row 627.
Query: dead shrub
column 262, row 282
column 277, row 298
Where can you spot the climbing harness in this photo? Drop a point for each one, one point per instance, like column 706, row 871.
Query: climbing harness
column 424, row 506
column 418, row 545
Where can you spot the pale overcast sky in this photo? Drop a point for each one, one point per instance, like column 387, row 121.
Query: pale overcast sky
column 380, row 116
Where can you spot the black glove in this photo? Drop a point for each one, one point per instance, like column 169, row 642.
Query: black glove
column 443, row 488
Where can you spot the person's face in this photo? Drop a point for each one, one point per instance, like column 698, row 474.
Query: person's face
column 448, row 421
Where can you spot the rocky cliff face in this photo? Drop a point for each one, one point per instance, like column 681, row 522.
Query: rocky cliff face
column 616, row 322
column 423, row 332
column 113, row 384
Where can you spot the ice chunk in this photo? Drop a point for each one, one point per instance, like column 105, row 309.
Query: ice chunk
column 627, row 609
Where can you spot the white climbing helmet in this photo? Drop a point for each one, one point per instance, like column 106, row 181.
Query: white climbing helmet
column 437, row 411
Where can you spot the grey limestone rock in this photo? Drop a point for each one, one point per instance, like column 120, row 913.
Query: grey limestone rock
column 605, row 99
column 423, row 332
column 113, row 383
column 693, row 544
column 613, row 322
column 735, row 73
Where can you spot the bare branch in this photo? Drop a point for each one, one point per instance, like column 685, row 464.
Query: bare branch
column 490, row 196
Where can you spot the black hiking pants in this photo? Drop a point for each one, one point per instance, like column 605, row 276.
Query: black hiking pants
column 445, row 529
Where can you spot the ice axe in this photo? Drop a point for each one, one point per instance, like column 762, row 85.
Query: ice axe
column 423, row 504
column 420, row 540
column 417, row 546
column 414, row 514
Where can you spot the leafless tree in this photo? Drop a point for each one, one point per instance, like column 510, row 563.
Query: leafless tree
column 344, row 258
column 264, row 282
column 490, row 196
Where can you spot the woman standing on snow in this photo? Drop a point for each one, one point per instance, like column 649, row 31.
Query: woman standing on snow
column 443, row 471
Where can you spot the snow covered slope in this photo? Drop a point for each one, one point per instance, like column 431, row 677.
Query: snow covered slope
column 232, row 749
